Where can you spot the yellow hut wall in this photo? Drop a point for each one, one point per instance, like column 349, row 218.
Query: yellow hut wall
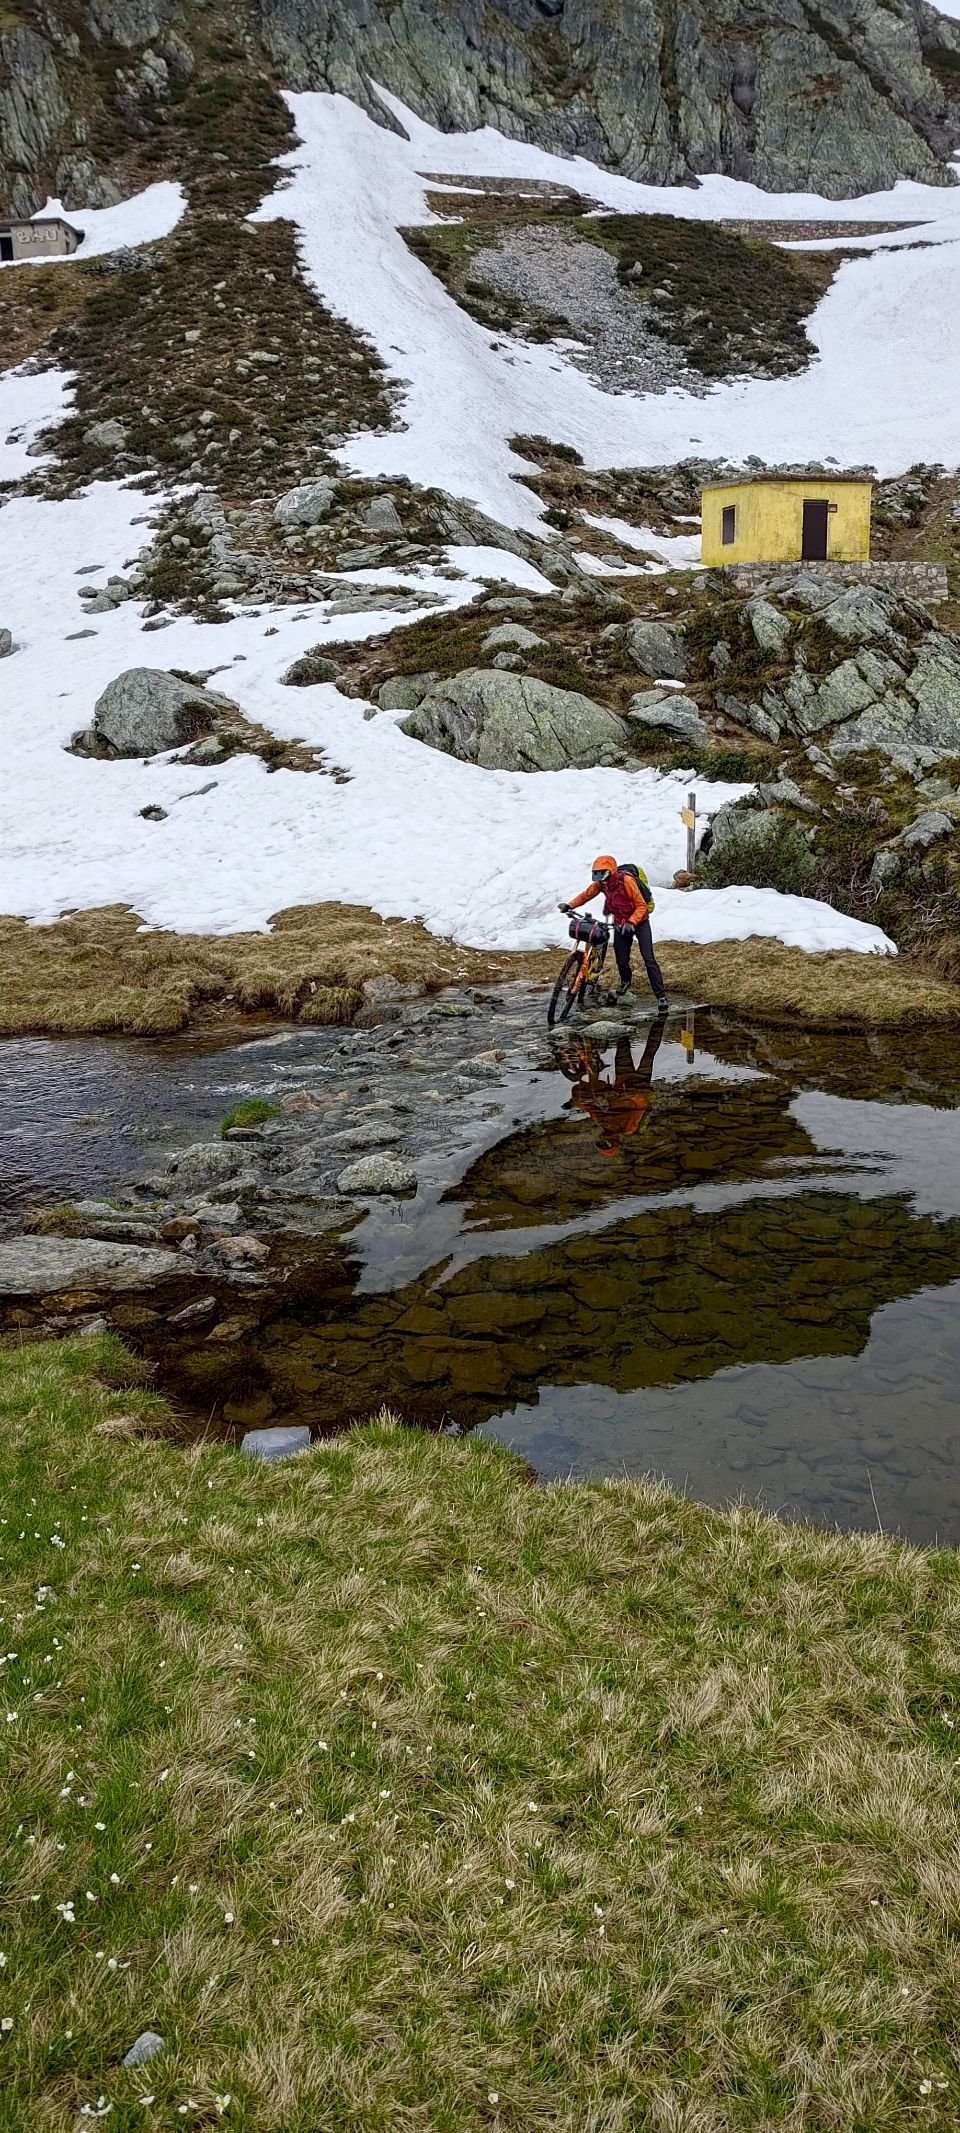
column 770, row 521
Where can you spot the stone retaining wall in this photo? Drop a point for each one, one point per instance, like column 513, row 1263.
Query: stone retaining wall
column 922, row 581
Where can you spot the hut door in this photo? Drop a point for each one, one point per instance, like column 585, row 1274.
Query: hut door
column 6, row 246
column 814, row 549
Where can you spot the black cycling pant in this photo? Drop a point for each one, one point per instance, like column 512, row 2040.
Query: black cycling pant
column 623, row 939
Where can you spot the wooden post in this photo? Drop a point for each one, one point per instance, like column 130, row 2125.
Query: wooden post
column 688, row 815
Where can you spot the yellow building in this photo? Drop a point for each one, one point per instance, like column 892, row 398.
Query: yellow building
column 772, row 519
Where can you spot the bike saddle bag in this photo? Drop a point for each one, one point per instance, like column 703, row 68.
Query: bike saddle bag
column 588, row 930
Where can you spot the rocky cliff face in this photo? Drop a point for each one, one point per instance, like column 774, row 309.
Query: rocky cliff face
column 838, row 96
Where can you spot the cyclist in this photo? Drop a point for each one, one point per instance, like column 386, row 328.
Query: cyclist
column 624, row 902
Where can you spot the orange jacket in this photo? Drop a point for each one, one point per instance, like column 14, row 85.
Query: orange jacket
column 623, row 901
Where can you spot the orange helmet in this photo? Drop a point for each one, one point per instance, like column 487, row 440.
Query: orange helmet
column 604, row 865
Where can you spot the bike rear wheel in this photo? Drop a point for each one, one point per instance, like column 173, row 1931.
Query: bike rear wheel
column 563, row 998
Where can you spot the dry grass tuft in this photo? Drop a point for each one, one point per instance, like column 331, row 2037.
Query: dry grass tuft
column 409, row 1795
column 839, row 990
column 96, row 973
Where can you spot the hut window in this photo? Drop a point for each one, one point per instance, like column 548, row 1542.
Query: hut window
column 728, row 533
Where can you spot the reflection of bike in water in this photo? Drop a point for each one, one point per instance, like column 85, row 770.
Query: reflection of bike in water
column 620, row 1107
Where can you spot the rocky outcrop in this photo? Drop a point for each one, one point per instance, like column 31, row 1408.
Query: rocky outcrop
column 846, row 669
column 512, row 722
column 146, row 710
column 830, row 96
column 834, row 98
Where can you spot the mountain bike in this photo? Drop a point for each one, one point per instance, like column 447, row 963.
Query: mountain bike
column 581, row 969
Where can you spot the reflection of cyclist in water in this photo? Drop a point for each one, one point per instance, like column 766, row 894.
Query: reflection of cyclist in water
column 621, row 1107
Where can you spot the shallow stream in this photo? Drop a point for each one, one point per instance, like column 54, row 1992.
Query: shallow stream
column 725, row 1255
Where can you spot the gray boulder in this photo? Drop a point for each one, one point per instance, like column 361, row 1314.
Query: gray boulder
column 378, row 1176
column 927, row 829
column 381, row 516
column 669, row 714
column 146, row 710
column 280, row 1442
column 107, row 436
column 750, row 832
column 205, row 1163
column 512, row 722
column 403, row 692
column 144, row 2048
column 656, row 649
column 771, row 628
column 510, row 637
column 305, row 505
column 6, row 643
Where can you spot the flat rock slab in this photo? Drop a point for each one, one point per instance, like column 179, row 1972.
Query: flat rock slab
column 278, row 1443
column 38, row 1266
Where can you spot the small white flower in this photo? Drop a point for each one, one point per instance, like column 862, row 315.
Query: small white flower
column 163, row 1774
column 228, row 1918
column 322, row 1745
column 926, row 2088
column 493, row 2095
column 384, row 1795
column 12, row 1717
column 510, row 1883
column 532, row 1807
column 222, row 2104
column 7, row 2022
column 115, row 1878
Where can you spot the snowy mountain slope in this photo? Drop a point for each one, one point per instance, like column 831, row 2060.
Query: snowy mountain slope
column 482, row 856
column 352, row 188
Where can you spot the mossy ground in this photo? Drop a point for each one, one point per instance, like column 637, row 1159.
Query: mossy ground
column 390, row 1790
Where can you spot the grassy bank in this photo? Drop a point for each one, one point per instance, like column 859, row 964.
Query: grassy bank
column 393, row 1792
column 95, row 974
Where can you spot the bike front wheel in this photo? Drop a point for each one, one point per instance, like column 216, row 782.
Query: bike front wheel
column 563, row 998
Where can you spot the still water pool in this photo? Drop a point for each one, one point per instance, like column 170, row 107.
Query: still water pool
column 724, row 1255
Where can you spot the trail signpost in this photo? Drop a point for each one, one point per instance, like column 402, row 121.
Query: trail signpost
column 688, row 816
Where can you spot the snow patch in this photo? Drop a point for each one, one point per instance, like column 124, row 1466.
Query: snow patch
column 352, row 186
column 482, row 856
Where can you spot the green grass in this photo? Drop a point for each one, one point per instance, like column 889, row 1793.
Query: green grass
column 411, row 1796
column 254, row 1112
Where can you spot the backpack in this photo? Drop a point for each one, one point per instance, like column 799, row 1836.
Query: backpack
column 641, row 880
